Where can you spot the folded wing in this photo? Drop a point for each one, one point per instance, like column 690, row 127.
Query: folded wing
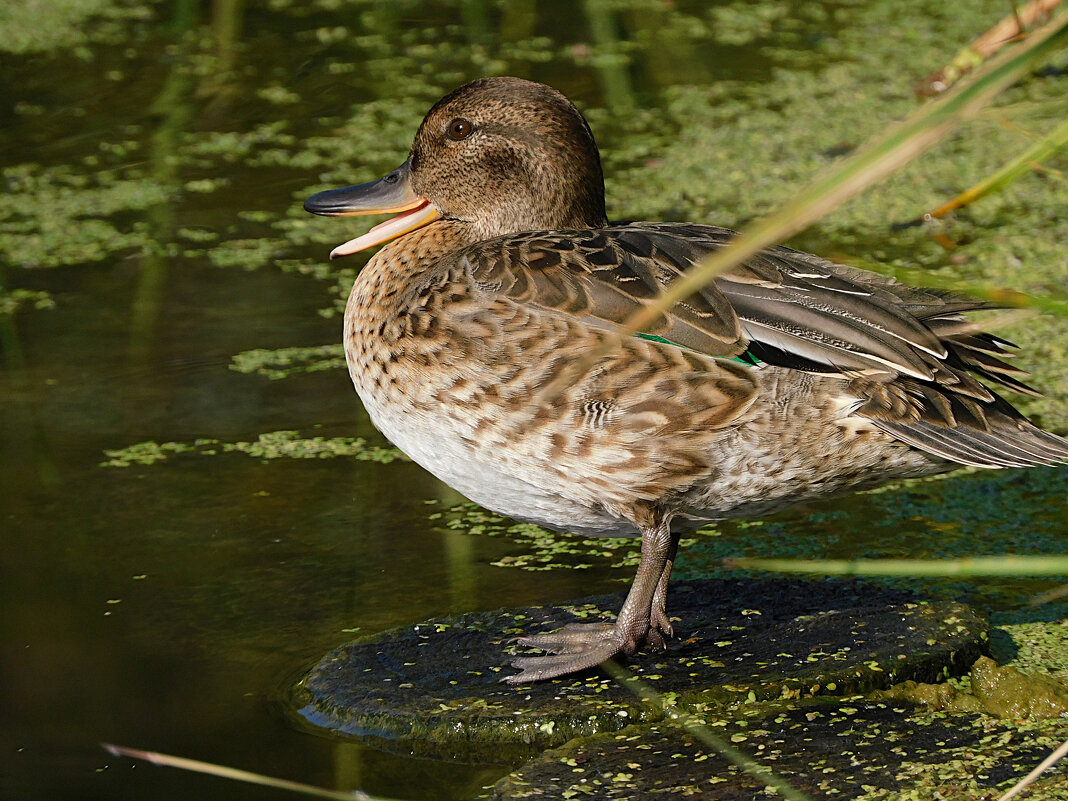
column 908, row 354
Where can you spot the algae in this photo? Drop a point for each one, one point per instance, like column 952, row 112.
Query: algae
column 849, row 747
column 1034, row 639
column 271, row 445
column 542, row 549
column 963, row 513
column 70, row 23
column 38, row 231
column 1000, row 691
column 12, row 300
column 285, row 362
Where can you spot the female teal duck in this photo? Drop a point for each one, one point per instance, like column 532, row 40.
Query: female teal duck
column 790, row 378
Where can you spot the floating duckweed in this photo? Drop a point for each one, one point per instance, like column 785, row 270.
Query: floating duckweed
column 71, row 24
column 289, row 444
column 278, row 95
column 144, row 453
column 1034, row 640
column 272, row 445
column 206, row 185
column 546, row 550
column 248, row 254
column 284, row 362
column 13, row 300
column 198, row 234
column 35, row 231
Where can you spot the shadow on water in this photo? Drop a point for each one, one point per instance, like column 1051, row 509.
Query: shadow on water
column 153, row 158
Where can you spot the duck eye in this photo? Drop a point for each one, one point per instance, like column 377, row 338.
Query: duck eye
column 459, row 129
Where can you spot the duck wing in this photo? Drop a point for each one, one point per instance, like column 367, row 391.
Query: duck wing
column 907, row 354
column 603, row 276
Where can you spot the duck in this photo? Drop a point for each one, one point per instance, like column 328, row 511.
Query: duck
column 787, row 379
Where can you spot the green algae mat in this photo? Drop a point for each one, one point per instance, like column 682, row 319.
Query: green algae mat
column 826, row 748
column 435, row 688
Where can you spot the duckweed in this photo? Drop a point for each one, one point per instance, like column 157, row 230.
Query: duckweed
column 12, row 300
column 272, row 445
column 284, row 362
column 543, row 549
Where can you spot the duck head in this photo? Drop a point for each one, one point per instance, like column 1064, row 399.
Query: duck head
column 498, row 155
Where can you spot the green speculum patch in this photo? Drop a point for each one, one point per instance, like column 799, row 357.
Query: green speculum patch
column 745, row 358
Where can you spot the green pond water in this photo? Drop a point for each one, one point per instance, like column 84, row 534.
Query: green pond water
column 153, row 159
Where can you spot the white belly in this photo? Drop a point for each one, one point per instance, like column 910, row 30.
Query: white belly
column 442, row 452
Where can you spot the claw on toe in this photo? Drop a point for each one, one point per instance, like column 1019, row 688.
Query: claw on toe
column 536, row 668
column 571, row 639
column 579, row 646
column 660, row 622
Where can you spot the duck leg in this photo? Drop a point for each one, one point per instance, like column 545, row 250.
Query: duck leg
column 659, row 624
column 641, row 621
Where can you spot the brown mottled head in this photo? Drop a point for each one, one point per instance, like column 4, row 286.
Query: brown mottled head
column 509, row 155
column 501, row 155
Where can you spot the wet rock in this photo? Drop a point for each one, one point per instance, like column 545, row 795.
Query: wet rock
column 435, row 688
column 823, row 747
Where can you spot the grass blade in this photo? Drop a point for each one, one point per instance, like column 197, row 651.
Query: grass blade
column 1005, row 31
column 1027, row 161
column 235, row 774
column 998, row 296
column 1043, row 766
column 1054, row 565
column 700, row 731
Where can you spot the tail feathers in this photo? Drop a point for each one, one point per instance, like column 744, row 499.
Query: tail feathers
column 978, row 352
column 971, row 357
column 1008, row 442
column 959, row 424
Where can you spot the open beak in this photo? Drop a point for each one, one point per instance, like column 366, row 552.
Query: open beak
column 392, row 194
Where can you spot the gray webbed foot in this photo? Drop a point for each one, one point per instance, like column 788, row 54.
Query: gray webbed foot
column 642, row 621
column 578, row 646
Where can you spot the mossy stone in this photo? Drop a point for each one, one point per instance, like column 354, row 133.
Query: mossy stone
column 435, row 688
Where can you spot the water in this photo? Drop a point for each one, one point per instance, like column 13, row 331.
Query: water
column 166, row 606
